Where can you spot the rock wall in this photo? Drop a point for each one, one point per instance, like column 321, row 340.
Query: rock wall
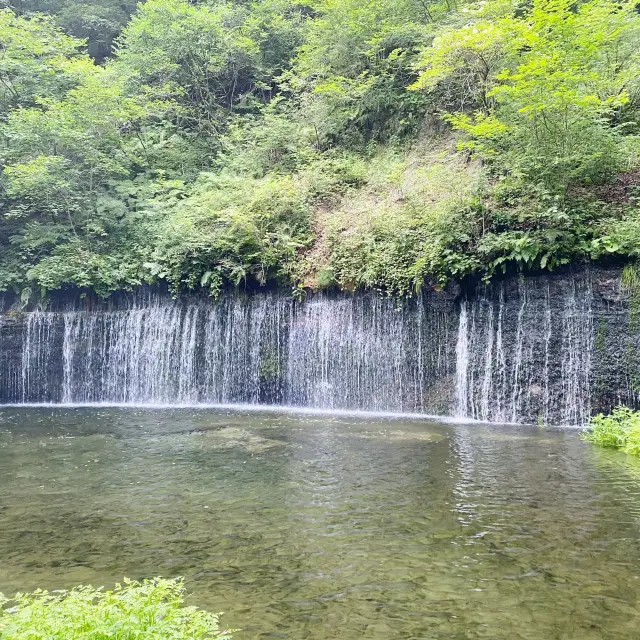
column 552, row 348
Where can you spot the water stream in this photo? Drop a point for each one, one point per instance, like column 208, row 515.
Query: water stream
column 322, row 527
column 529, row 358
column 348, row 353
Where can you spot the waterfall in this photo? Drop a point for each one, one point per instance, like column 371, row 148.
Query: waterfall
column 37, row 354
column 166, row 351
column 345, row 352
column 577, row 350
column 462, row 364
column 526, row 354
column 548, row 349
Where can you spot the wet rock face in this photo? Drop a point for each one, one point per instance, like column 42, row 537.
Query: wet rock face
column 551, row 348
column 11, row 332
column 615, row 366
column 340, row 352
column 31, row 358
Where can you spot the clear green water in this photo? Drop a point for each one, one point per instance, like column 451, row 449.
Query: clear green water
column 329, row 527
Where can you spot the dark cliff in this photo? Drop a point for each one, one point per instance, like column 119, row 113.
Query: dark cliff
column 552, row 348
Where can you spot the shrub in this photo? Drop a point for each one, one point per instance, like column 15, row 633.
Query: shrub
column 546, row 85
column 620, row 430
column 152, row 609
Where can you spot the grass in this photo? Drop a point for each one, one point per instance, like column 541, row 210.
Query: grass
column 152, row 609
column 619, row 430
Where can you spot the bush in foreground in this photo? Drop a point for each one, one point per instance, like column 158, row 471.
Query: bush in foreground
column 152, row 609
column 620, row 430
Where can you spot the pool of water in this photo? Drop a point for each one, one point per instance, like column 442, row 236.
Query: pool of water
column 302, row 526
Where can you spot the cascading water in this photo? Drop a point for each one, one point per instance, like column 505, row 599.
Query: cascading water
column 462, row 364
column 368, row 355
column 361, row 352
column 169, row 352
column 506, row 349
column 546, row 349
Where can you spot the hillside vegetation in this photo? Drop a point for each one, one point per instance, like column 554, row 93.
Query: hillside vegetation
column 384, row 144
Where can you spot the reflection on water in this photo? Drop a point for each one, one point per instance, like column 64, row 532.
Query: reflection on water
column 329, row 527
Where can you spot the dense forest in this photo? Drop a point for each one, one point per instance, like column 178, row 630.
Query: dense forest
column 385, row 144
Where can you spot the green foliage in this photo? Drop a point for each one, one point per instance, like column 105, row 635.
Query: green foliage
column 549, row 86
column 238, row 228
column 311, row 142
column 354, row 66
column 231, row 230
column 37, row 60
column 61, row 158
column 211, row 57
column 99, row 22
column 152, row 609
column 620, row 430
column 401, row 229
column 619, row 235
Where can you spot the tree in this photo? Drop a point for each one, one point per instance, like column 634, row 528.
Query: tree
column 70, row 131
column 355, row 64
column 548, row 87
column 213, row 58
column 99, row 22
column 35, row 60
